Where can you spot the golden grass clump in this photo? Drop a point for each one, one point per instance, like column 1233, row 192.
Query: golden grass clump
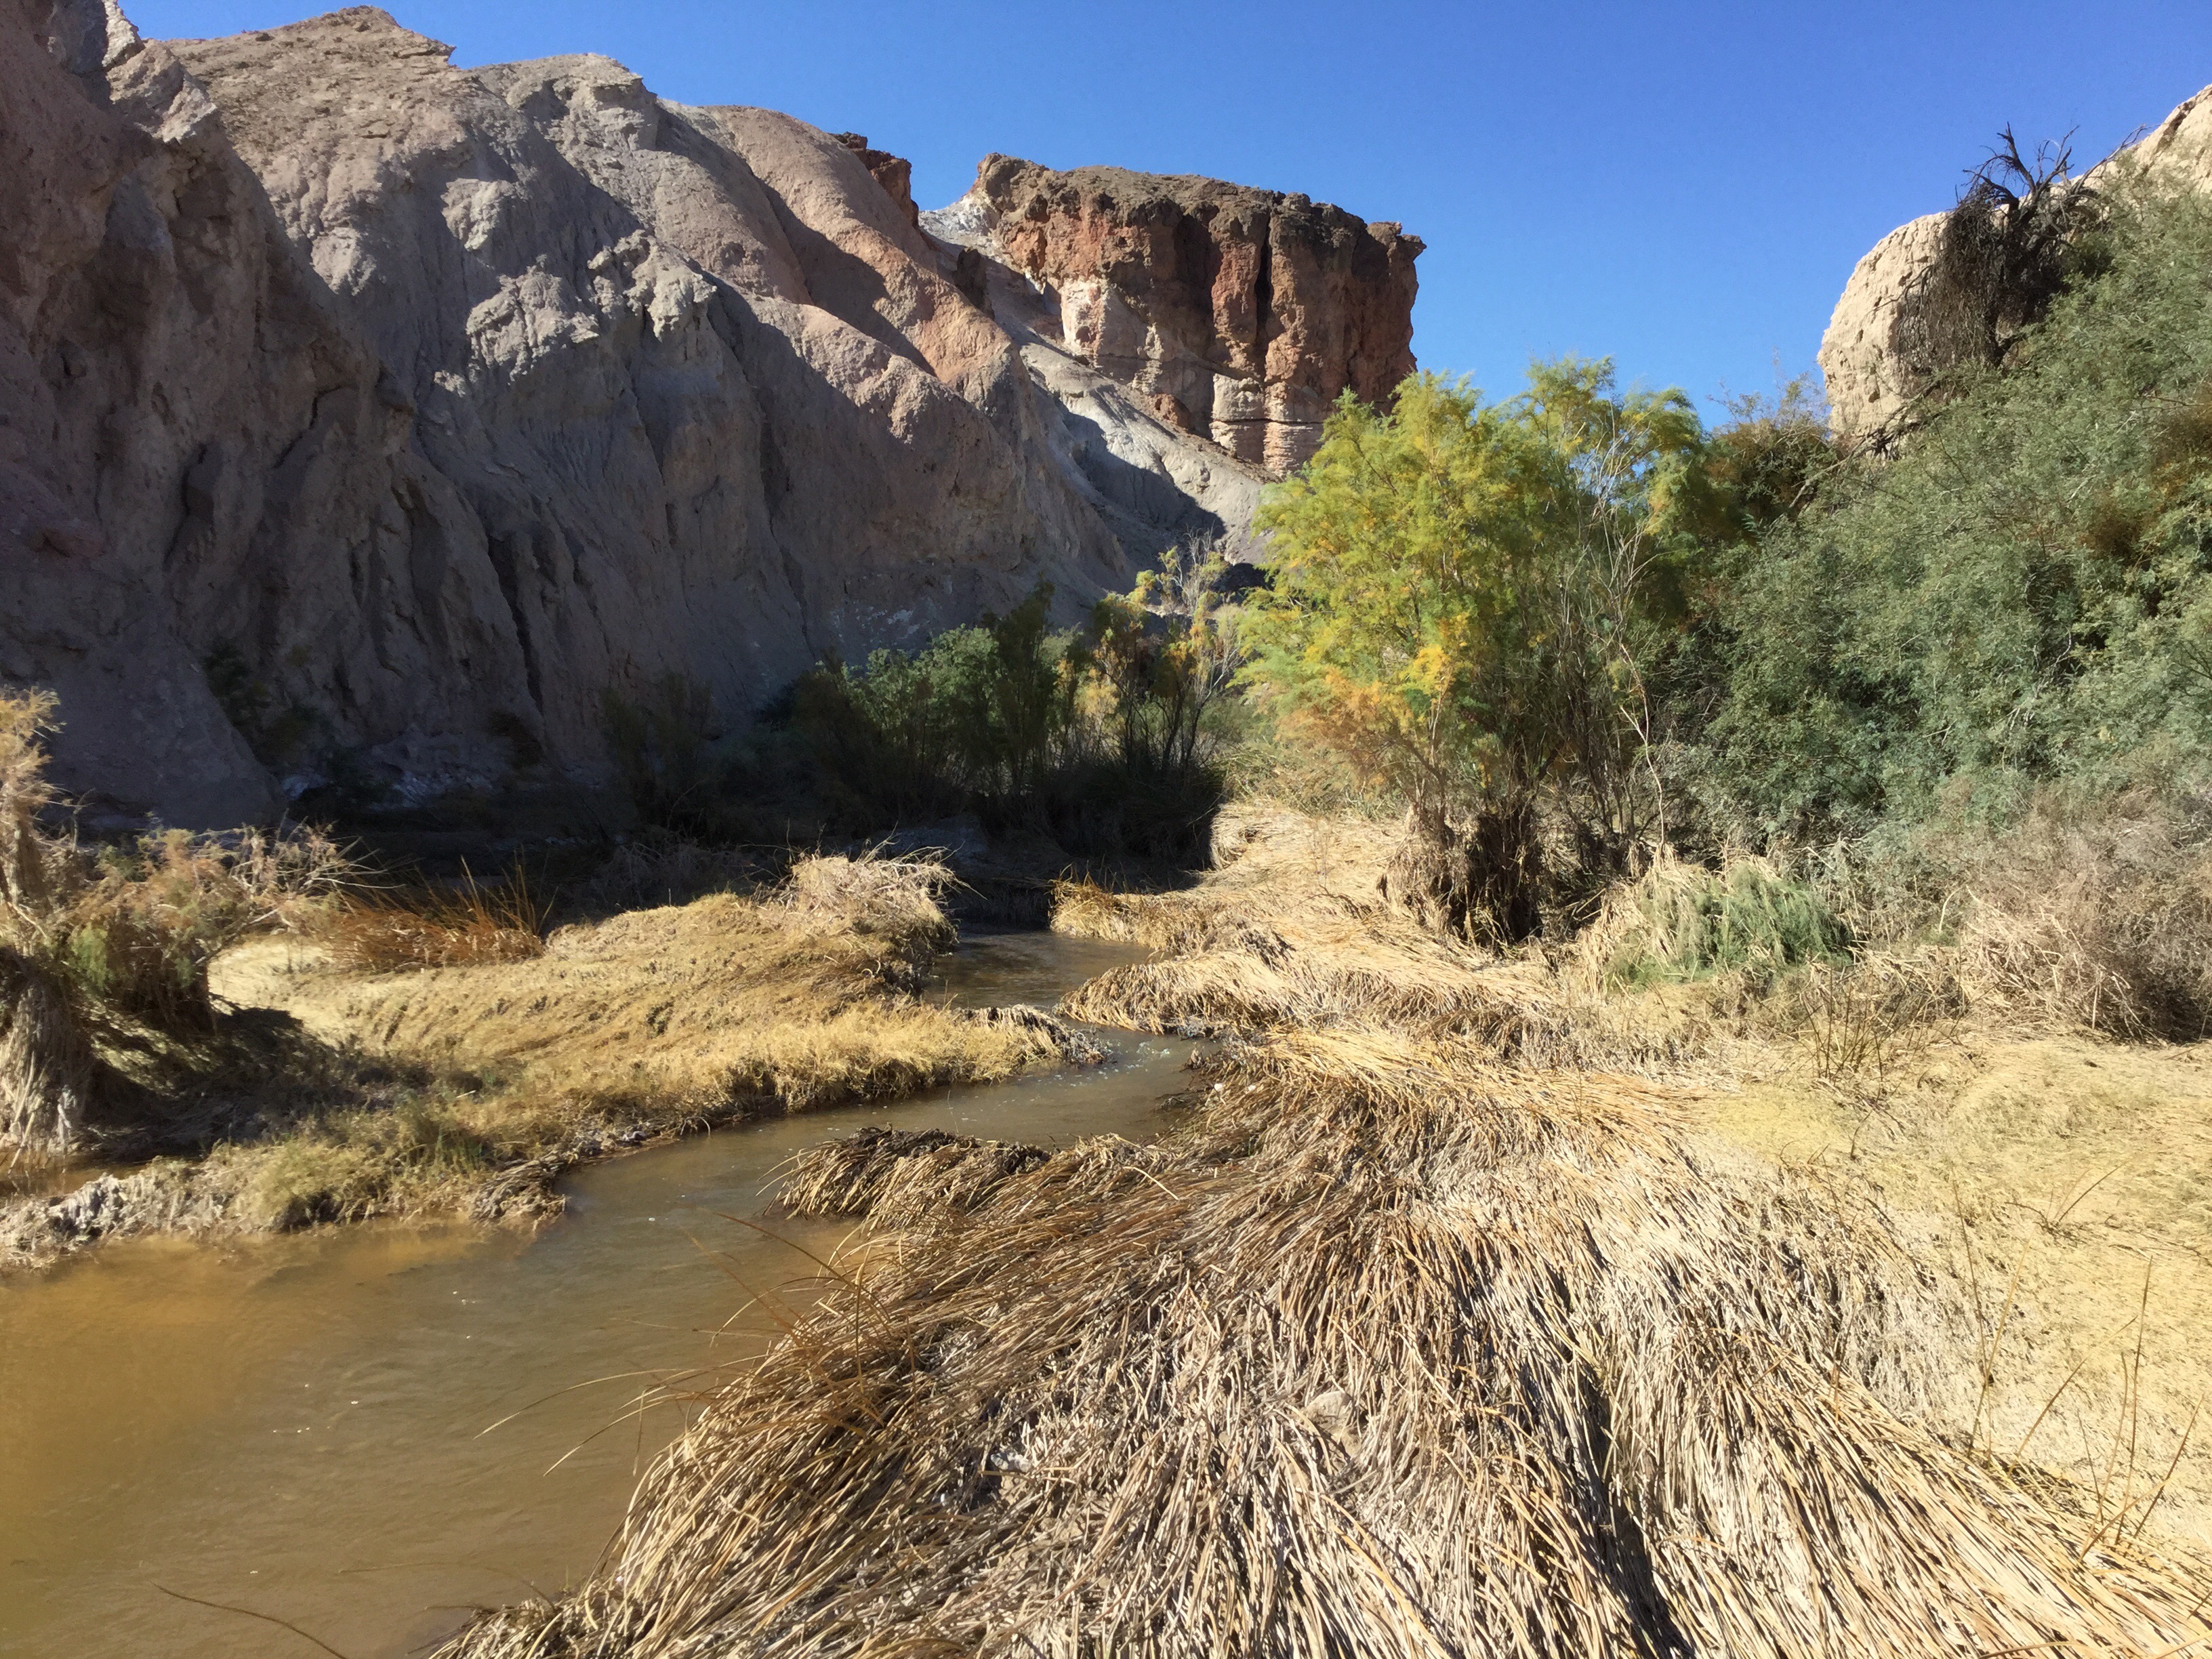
column 655, row 1022
column 471, row 1087
column 109, row 948
column 1344, row 964
column 1392, row 1350
column 893, row 897
column 902, row 1176
column 2097, row 922
column 394, row 932
column 46, row 1062
column 27, row 856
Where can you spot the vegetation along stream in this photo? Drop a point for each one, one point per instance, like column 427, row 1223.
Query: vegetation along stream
column 367, row 1431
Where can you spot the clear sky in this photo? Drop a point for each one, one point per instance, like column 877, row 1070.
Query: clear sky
column 1683, row 186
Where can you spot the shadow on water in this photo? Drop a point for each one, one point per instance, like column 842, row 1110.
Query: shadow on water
column 304, row 1426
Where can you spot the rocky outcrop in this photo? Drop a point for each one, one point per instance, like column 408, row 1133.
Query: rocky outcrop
column 1875, row 367
column 893, row 173
column 1870, row 378
column 358, row 411
column 2175, row 154
column 1236, row 314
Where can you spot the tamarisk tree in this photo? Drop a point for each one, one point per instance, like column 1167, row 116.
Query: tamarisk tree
column 1466, row 595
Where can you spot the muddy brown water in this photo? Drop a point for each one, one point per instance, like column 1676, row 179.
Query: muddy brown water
column 367, row 1431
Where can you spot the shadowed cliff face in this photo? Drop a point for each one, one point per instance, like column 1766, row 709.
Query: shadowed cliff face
column 1240, row 313
column 430, row 404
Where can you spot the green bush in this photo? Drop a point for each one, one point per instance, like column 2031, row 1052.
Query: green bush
column 2022, row 594
column 1098, row 738
column 980, row 715
column 660, row 744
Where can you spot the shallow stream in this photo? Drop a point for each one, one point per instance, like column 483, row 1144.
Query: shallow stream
column 369, row 1431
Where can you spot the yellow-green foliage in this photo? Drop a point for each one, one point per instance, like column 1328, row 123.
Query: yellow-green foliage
column 1463, row 593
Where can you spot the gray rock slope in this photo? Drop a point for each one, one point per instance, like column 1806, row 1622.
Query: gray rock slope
column 427, row 405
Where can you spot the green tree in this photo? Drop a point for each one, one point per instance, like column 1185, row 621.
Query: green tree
column 1466, row 598
column 1163, row 655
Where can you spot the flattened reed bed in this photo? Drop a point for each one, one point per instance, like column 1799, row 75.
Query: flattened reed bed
column 1392, row 1350
column 912, row 1177
column 1330, row 962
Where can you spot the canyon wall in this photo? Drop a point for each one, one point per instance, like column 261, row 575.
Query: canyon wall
column 1237, row 314
column 1874, row 375
column 359, row 412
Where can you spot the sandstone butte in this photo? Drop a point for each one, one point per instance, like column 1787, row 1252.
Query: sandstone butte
column 1870, row 382
column 428, row 404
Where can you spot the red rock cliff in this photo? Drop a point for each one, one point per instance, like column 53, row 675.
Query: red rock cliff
column 1241, row 315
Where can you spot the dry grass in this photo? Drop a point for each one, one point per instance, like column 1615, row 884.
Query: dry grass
column 1293, row 933
column 386, row 932
column 2099, row 923
column 1394, row 1350
column 1333, row 962
column 893, row 897
column 1422, row 1336
column 2065, row 1183
column 471, row 1087
column 659, row 868
column 106, row 950
column 46, row 1064
column 648, row 1024
column 902, row 1176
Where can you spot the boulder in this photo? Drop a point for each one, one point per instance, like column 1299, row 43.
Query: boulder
column 1874, row 375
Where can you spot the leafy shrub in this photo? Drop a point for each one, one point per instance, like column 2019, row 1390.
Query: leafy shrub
column 979, row 715
column 1467, row 602
column 659, row 746
column 2022, row 595
column 1098, row 738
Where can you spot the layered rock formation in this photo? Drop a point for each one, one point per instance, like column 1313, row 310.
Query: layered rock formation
column 1237, row 314
column 1873, row 377
column 412, row 410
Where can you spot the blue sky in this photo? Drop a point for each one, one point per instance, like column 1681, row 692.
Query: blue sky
column 1683, row 186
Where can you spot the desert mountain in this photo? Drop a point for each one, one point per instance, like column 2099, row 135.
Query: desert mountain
column 358, row 410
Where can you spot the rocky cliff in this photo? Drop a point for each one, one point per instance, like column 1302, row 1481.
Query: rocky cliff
column 1237, row 314
column 1868, row 356
column 356, row 410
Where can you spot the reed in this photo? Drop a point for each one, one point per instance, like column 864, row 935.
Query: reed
column 397, row 932
column 1394, row 1349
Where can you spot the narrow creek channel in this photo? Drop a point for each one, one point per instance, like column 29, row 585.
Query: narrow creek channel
column 304, row 1426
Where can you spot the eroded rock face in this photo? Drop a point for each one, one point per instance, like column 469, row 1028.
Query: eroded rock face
column 1236, row 314
column 1872, row 379
column 428, row 405
column 1869, row 380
